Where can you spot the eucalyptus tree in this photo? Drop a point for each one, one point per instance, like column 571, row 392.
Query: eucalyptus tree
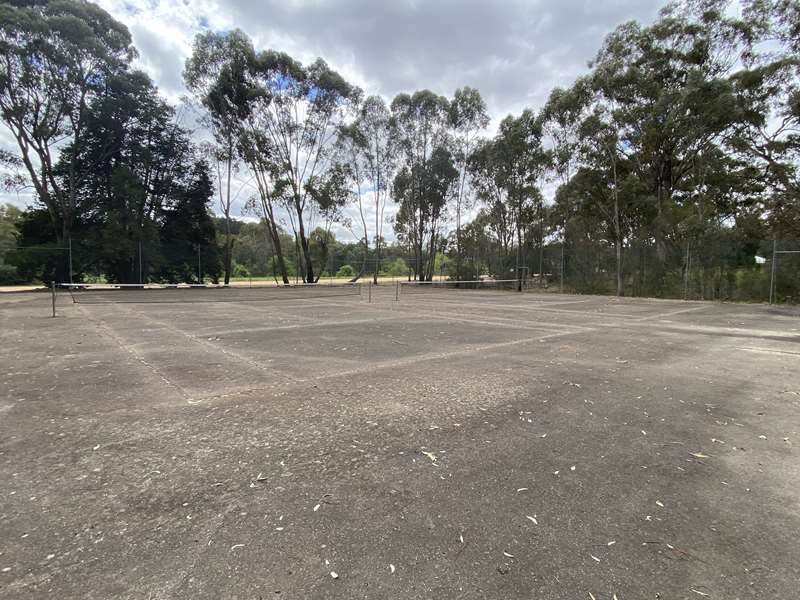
column 603, row 168
column 216, row 73
column 561, row 118
column 425, row 181
column 596, row 194
column 350, row 147
column 508, row 168
column 768, row 95
column 368, row 149
column 468, row 117
column 379, row 153
column 293, row 118
column 55, row 59
column 422, row 192
column 671, row 95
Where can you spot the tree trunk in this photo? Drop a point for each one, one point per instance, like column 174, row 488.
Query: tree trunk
column 228, row 237
column 617, row 231
column 276, row 245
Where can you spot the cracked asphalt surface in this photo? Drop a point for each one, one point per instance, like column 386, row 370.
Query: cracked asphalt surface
column 467, row 444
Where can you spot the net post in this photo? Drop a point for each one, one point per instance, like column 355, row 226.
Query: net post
column 53, row 294
column 70, row 259
column 369, row 288
column 772, row 272
column 396, row 291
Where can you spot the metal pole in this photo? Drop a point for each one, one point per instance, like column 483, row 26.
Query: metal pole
column 369, row 287
column 396, row 291
column 561, row 287
column 688, row 269
column 199, row 272
column 53, row 291
column 70, row 259
column 772, row 274
column 140, row 262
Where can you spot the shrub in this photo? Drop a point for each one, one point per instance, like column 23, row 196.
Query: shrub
column 240, row 270
column 346, row 271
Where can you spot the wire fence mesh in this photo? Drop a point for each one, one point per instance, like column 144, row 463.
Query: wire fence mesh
column 690, row 269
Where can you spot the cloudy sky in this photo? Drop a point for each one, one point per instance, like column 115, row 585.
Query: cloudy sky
column 513, row 51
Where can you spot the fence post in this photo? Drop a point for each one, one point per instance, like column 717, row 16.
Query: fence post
column 53, row 292
column 687, row 272
column 140, row 262
column 70, row 259
column 369, row 292
column 561, row 286
column 772, row 273
column 396, row 291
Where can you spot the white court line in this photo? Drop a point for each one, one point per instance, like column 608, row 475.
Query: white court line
column 542, row 307
column 767, row 351
column 102, row 326
column 674, row 312
column 236, row 356
column 496, row 321
column 315, row 324
column 394, row 364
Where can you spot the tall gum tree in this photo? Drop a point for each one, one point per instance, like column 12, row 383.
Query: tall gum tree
column 468, row 117
column 668, row 84
column 420, row 124
column 216, row 73
column 297, row 113
column 55, row 58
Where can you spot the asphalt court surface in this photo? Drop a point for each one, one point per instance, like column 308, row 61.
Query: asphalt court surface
column 454, row 444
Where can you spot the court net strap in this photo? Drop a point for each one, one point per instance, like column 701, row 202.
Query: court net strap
column 427, row 287
column 163, row 293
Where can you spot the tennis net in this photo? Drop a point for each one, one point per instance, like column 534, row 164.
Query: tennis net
column 113, row 293
column 446, row 286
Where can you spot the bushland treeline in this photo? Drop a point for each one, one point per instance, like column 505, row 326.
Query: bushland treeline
column 683, row 135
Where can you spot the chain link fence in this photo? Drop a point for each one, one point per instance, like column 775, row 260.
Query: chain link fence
column 722, row 270
column 708, row 269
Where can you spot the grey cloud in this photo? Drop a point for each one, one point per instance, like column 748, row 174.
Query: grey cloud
column 160, row 59
column 514, row 51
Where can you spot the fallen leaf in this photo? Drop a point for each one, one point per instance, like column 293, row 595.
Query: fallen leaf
column 611, row 543
column 699, row 592
column 530, row 518
column 699, row 455
column 430, row 455
column 334, row 575
column 391, row 567
column 659, row 503
column 522, row 489
column 235, row 546
column 507, row 554
column 316, row 507
column 594, row 558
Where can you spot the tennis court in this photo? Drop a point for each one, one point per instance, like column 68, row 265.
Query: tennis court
column 397, row 443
